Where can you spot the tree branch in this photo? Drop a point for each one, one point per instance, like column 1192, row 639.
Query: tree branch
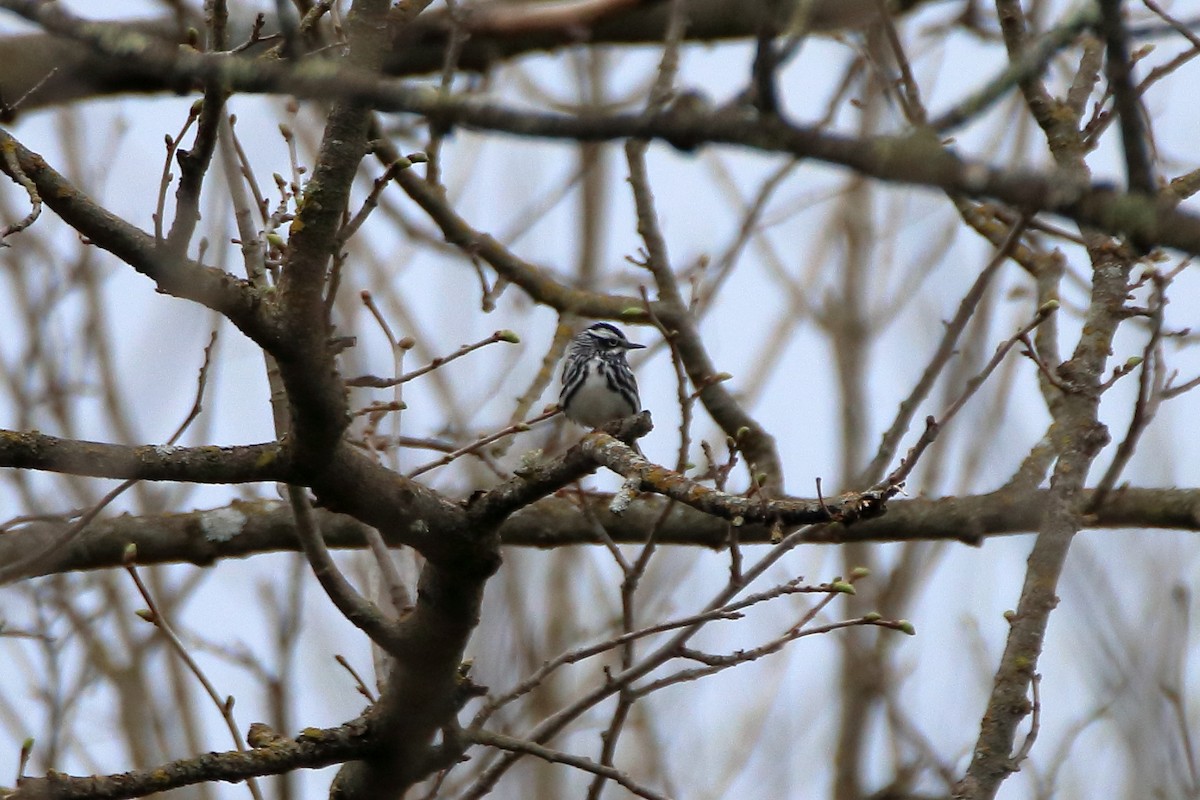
column 251, row 528
column 915, row 159
column 239, row 464
column 312, row 749
column 494, row 32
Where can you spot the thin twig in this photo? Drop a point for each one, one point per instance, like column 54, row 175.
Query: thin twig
column 525, row 747
column 1150, row 394
column 729, row 611
column 933, row 425
column 165, row 181
column 384, row 383
column 942, row 355
column 155, row 616
column 201, row 384
column 484, row 441
column 359, row 683
column 8, row 111
column 1031, row 62
column 1035, row 723
column 372, row 200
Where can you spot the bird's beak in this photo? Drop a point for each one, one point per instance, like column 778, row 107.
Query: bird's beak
column 633, row 346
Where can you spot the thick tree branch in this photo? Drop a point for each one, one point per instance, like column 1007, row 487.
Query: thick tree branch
column 1139, row 170
column 360, row 611
column 1077, row 437
column 494, row 32
column 537, row 482
column 316, row 392
column 915, row 159
column 622, row 459
column 251, row 528
column 313, row 749
column 242, row 464
column 425, row 686
column 673, row 313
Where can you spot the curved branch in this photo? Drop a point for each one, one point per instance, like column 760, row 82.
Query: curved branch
column 236, row 299
column 534, row 280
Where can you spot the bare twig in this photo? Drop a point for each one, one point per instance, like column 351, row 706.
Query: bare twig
column 383, row 383
column 154, row 615
column 525, row 747
column 942, row 355
column 484, row 441
column 934, row 425
column 359, row 683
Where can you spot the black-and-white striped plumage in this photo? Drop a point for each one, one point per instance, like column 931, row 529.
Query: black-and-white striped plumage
column 597, row 384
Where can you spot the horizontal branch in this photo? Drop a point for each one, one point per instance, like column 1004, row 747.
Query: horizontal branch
column 405, row 511
column 312, row 749
column 249, row 528
column 241, row 464
column 492, row 31
column 917, row 159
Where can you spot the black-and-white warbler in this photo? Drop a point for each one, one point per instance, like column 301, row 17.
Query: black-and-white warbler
column 597, row 384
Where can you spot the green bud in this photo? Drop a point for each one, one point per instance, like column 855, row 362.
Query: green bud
column 872, row 616
column 508, row 336
column 906, row 627
column 858, row 573
column 843, row 587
